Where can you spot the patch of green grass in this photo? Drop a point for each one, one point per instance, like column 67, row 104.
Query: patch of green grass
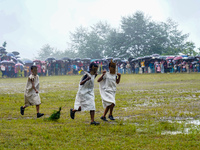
column 149, row 109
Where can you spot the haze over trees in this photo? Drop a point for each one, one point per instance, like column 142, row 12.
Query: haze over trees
column 138, row 35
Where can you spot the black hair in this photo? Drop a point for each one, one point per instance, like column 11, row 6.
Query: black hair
column 33, row 67
column 93, row 64
column 110, row 64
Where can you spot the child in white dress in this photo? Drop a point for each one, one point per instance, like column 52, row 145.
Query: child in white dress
column 31, row 94
column 107, row 87
column 85, row 96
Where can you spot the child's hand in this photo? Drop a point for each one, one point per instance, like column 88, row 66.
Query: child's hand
column 36, row 91
column 119, row 74
column 88, row 78
column 104, row 72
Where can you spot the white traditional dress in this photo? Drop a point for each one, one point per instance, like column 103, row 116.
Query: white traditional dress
column 85, row 95
column 107, row 88
column 30, row 96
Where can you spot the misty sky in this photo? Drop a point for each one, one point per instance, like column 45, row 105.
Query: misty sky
column 27, row 25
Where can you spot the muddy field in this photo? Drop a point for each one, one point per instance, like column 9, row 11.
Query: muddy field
column 162, row 110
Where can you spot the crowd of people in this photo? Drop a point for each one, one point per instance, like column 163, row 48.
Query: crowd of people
column 74, row 66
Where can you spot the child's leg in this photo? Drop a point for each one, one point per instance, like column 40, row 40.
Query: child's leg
column 38, row 114
column 111, row 109
column 92, row 112
column 106, row 110
column 79, row 109
column 72, row 112
column 37, row 108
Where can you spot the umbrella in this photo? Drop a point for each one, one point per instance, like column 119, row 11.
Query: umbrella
column 156, row 58
column 28, row 62
column 147, row 57
column 155, row 55
column 19, row 64
column 124, row 61
column 133, row 60
column 66, row 58
column 20, row 61
column 38, row 61
column 86, row 59
column 177, row 58
column 77, row 59
column 117, row 59
column 14, row 59
column 7, row 62
column 94, row 60
column 59, row 61
column 184, row 55
column 191, row 57
column 2, row 49
column 49, row 59
column 109, row 58
column 43, row 62
column 15, row 53
column 163, row 57
column 129, row 59
column 170, row 57
column 10, row 54
column 3, row 52
column 140, row 58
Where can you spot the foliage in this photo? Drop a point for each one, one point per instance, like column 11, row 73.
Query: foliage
column 138, row 35
column 189, row 49
column 90, row 42
column 48, row 51
column 4, row 44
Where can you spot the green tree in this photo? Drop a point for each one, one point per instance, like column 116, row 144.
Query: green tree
column 115, row 45
column 45, row 51
column 138, row 36
column 189, row 49
column 175, row 39
column 90, row 42
column 4, row 44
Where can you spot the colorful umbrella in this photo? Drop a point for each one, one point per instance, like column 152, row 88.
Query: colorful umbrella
column 7, row 62
column 177, row 58
column 10, row 54
column 170, row 57
column 28, row 62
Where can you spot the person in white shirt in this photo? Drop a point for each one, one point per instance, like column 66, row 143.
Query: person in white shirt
column 107, row 88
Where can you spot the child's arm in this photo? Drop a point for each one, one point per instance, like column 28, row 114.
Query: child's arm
column 33, row 85
column 118, row 79
column 84, row 80
column 101, row 77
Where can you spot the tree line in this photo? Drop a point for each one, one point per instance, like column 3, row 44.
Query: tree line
column 138, row 35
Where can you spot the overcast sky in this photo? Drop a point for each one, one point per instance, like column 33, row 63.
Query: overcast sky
column 27, row 25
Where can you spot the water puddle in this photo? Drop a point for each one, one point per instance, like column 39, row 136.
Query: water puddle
column 185, row 122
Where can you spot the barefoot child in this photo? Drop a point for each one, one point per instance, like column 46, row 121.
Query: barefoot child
column 85, row 96
column 31, row 94
column 107, row 87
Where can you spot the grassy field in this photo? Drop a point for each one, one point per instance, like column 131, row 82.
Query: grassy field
column 153, row 111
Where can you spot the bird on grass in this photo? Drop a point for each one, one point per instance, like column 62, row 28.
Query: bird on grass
column 55, row 115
